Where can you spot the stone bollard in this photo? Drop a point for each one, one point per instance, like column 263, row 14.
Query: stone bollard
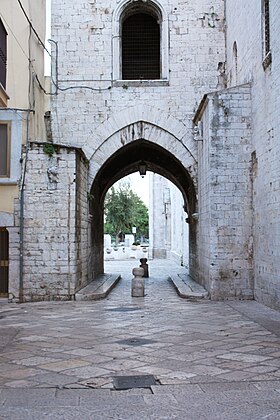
column 145, row 266
column 138, row 282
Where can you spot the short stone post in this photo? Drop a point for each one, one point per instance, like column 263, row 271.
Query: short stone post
column 145, row 266
column 138, row 282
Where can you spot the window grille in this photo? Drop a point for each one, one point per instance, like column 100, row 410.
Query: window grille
column 266, row 34
column 3, row 54
column 266, row 26
column 140, row 47
column 4, row 150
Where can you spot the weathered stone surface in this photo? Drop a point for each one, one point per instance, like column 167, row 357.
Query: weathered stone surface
column 210, row 359
column 225, row 144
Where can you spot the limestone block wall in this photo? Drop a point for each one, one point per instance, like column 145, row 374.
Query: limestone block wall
column 99, row 113
column 84, row 32
column 159, row 237
column 204, row 199
column 245, row 27
column 179, row 228
column 55, row 230
column 225, row 195
column 168, row 229
column 82, row 234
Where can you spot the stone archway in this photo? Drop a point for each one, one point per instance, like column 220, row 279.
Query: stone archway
column 125, row 160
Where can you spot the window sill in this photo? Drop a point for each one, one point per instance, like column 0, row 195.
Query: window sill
column 3, row 97
column 267, row 60
column 6, row 181
column 140, row 83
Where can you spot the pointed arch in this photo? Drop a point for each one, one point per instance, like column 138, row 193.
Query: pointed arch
column 124, row 161
column 138, row 132
column 149, row 116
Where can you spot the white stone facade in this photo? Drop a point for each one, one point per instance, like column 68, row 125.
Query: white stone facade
column 84, row 32
column 168, row 227
column 225, row 218
column 56, row 224
column 265, row 85
column 210, row 125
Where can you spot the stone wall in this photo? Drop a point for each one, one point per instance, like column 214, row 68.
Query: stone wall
column 55, row 223
column 236, row 151
column 102, row 115
column 159, row 237
column 82, row 236
column 225, row 194
column 84, row 32
column 245, row 27
column 168, row 229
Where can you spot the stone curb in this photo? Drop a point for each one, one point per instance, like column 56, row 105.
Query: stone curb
column 188, row 288
column 98, row 288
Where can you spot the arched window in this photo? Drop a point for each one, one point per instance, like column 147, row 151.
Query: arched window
column 140, row 47
column 140, row 41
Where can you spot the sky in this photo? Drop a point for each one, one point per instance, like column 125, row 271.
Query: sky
column 48, row 36
column 141, row 186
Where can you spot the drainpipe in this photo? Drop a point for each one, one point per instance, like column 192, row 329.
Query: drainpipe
column 21, row 219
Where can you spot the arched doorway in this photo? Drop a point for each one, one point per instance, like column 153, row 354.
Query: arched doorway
column 125, row 161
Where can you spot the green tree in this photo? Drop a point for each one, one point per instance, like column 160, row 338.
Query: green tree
column 124, row 209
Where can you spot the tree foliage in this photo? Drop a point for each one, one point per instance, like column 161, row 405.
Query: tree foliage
column 124, row 209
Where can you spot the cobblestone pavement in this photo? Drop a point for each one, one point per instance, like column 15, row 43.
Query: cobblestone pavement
column 210, row 360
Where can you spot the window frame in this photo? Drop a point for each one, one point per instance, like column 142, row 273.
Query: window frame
column 124, row 8
column 8, row 154
column 3, row 94
column 15, row 119
column 4, row 52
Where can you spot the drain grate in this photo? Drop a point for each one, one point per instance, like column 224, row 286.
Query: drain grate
column 137, row 381
column 124, row 309
column 136, row 341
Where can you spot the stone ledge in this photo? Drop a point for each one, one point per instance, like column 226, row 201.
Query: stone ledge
column 98, row 288
column 188, row 288
column 125, row 84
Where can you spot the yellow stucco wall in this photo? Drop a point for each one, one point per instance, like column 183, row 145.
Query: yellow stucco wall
column 18, row 39
column 22, row 86
column 23, row 90
column 7, row 195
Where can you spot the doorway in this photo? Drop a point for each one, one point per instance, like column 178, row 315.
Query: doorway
column 4, row 262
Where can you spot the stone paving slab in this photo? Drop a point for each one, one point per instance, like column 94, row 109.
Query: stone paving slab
column 187, row 288
column 190, row 402
column 98, row 288
column 211, row 360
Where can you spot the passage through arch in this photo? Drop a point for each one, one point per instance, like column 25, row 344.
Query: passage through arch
column 124, row 162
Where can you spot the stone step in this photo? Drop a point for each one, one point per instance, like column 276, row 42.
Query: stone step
column 187, row 288
column 99, row 288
